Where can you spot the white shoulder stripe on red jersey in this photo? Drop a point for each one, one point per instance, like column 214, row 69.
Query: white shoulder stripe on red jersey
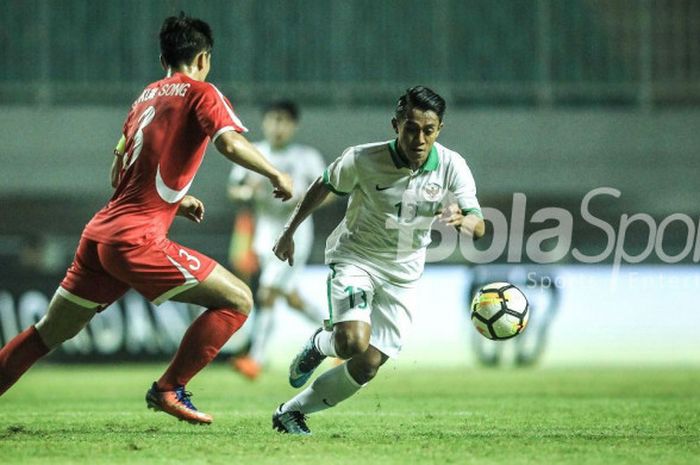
column 168, row 194
column 233, row 116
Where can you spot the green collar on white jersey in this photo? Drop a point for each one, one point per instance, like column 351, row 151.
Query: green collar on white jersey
column 400, row 161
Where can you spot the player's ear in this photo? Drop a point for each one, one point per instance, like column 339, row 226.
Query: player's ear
column 201, row 60
column 440, row 127
column 395, row 125
column 163, row 63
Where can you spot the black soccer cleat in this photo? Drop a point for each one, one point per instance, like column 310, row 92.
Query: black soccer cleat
column 290, row 422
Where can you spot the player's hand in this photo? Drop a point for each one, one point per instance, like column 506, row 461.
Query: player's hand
column 284, row 248
column 282, row 184
column 447, row 214
column 191, row 208
column 452, row 216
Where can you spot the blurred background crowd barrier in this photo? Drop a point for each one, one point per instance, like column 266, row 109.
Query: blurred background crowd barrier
column 527, row 52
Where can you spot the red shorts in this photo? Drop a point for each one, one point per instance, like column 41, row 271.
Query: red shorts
column 101, row 273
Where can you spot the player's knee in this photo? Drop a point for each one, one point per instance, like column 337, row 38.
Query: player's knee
column 245, row 304
column 267, row 297
column 349, row 343
column 241, row 299
column 295, row 301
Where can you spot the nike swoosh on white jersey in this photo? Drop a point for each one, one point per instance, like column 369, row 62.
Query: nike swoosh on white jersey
column 168, row 194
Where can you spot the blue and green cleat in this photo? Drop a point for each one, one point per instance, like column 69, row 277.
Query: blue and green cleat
column 306, row 361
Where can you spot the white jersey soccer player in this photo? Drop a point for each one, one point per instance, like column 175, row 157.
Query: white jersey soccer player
column 303, row 164
column 377, row 253
column 277, row 279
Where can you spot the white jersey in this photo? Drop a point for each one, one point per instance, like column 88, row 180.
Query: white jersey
column 304, row 164
column 386, row 228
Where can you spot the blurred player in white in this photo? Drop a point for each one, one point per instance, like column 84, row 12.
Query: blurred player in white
column 377, row 253
column 277, row 280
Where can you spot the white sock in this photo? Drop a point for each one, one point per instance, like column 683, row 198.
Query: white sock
column 264, row 324
column 325, row 343
column 332, row 387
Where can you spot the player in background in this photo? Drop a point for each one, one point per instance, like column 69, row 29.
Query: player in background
column 377, row 252
column 277, row 280
column 125, row 244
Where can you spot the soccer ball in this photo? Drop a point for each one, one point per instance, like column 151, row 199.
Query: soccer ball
column 499, row 311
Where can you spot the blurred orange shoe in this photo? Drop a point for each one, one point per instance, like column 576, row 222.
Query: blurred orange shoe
column 176, row 403
column 246, row 366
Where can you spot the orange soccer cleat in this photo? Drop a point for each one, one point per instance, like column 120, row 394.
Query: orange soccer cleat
column 246, row 366
column 176, row 403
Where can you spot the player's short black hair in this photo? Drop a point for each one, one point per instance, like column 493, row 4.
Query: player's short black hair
column 422, row 98
column 183, row 37
column 288, row 106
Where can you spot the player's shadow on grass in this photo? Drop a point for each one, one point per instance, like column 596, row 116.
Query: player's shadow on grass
column 18, row 430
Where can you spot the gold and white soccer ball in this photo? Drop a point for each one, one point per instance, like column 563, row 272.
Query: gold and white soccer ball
column 499, row 311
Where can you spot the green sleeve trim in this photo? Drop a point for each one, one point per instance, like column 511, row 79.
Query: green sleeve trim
column 327, row 183
column 473, row 211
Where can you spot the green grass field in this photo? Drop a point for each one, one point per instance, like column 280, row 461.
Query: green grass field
column 96, row 415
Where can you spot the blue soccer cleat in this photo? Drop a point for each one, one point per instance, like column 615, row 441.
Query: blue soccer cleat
column 306, row 361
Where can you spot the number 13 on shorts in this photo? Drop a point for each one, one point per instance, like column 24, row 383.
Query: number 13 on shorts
column 350, row 294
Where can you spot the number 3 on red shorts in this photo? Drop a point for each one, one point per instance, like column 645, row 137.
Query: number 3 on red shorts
column 192, row 262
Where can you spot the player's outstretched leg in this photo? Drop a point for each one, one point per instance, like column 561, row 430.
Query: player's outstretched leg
column 305, row 362
column 329, row 389
column 307, row 308
column 18, row 355
column 228, row 301
column 63, row 320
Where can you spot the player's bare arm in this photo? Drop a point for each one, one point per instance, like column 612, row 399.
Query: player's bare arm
column 239, row 150
column 470, row 224
column 313, row 199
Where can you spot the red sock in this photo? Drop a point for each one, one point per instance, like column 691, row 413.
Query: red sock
column 200, row 344
column 18, row 355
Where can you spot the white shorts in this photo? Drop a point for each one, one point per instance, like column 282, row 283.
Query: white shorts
column 355, row 295
column 274, row 272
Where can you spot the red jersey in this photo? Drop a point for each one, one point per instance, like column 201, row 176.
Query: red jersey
column 167, row 131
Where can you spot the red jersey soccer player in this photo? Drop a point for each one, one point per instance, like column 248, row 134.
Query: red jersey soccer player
column 125, row 244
